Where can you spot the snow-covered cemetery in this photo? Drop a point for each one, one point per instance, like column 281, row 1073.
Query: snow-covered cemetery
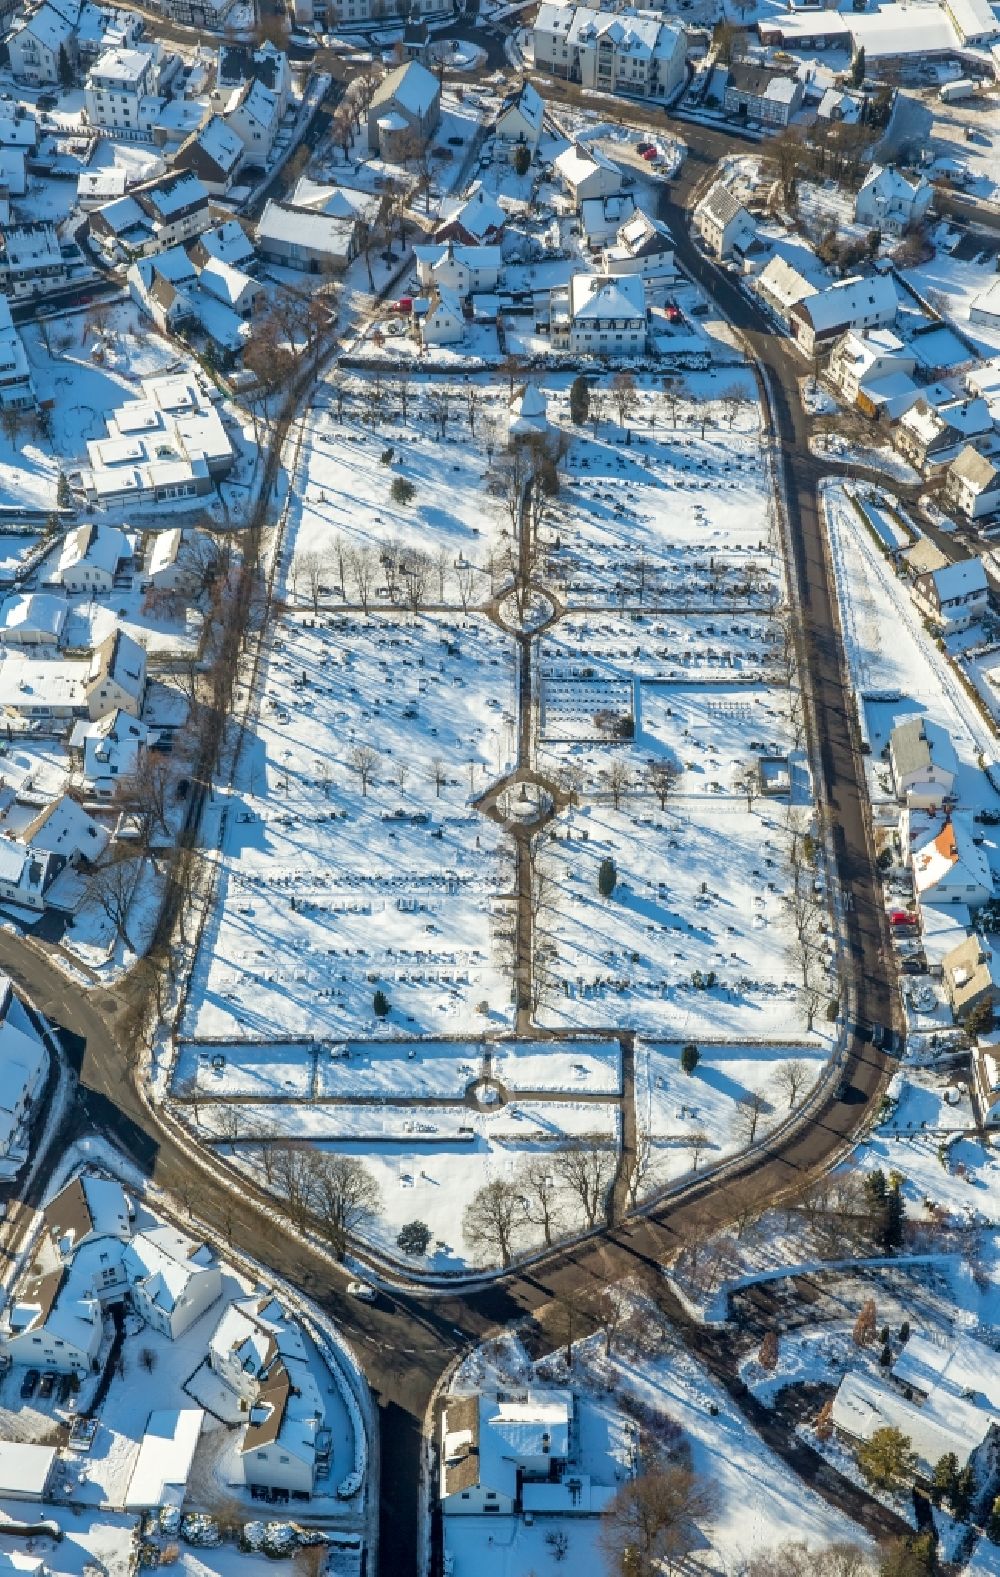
column 500, row 788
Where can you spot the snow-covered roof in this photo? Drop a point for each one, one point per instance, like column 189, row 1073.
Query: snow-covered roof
column 965, row 578
column 318, row 232
column 48, row 27
column 478, row 214
column 576, row 163
column 865, row 1404
column 22, row 1066
column 918, row 743
column 975, row 469
column 784, row 283
column 64, row 827
column 25, row 1469
column 228, row 242
column 486, row 1438
column 88, row 1206
column 164, row 1262
column 125, row 69
column 849, row 300
column 220, row 143
column 339, row 202
column 37, row 611
column 951, row 857
column 160, row 1475
column 475, row 257
column 412, row 87
column 891, row 187
column 528, row 101
column 97, row 547
column 593, row 298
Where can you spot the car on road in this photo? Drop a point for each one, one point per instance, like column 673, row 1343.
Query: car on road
column 902, row 917
column 362, row 1291
column 48, row 1385
column 844, row 1088
column 29, row 1385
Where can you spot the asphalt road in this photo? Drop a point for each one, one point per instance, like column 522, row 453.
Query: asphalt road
column 406, row 1342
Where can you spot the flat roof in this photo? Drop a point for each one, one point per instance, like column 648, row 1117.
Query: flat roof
column 160, row 1475
column 25, row 1469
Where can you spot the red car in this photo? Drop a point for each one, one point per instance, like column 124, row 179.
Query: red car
column 902, row 917
column 650, row 153
column 673, row 313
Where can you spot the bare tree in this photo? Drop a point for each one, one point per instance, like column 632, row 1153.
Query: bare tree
column 465, row 579
column 292, row 1171
column 343, row 1196
column 439, row 409
column 698, row 1143
column 588, row 1171
column 732, row 399
column 362, row 565
column 673, row 394
column 790, row 1078
column 146, row 793
column 310, row 572
column 747, row 780
column 625, row 396
column 473, row 401
column 113, row 886
column 662, row 777
column 492, row 1218
column 619, row 781
column 654, row 1521
column 540, row 1186
column 747, row 1116
column 416, row 574
column 438, row 776
column 365, row 761
column 637, row 1165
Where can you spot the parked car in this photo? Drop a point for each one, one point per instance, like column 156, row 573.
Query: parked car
column 362, row 1291
column 48, row 1385
column 902, row 917
column 29, row 1384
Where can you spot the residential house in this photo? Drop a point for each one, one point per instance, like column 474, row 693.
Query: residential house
column 890, row 202
column 971, row 975
column 94, row 188
column 955, row 596
column 24, row 1066
column 854, row 303
column 943, row 1396
column 404, row 112
column 951, row 867
column 172, row 564
column 439, row 319
column 931, row 436
column 638, row 53
column 477, row 221
column 602, row 217
column 520, row 119
column 159, row 214
column 53, row 1324
column 171, row 444
column 924, row 763
column 307, row 239
column 974, row 21
column 120, row 94
column 228, row 243
column 87, row 1208
column 238, row 64
column 18, row 126
column 208, row 14
column 587, row 173
column 91, row 557
column 26, row 876
column 259, row 1352
column 643, row 246
column 598, row 315
column 416, row 42
column 63, row 829
column 510, row 1451
column 39, row 44
column 100, row 28
column 254, row 114
column 214, row 153
column 353, row 14
column 781, row 286
column 116, row 677
column 173, row 1279
column 872, row 371
column 760, row 94
column 33, row 619
column 972, row 484
column 33, row 260
column 17, row 392
column 723, row 223
column 465, row 269
column 108, row 752
column 26, row 1471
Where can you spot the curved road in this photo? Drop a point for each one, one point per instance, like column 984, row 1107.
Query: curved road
column 406, row 1342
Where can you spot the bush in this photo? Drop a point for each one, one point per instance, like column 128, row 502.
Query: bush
column 607, row 876
column 414, row 1237
column 380, row 1004
column 690, row 1058
column 579, row 401
column 521, row 159
column 402, row 491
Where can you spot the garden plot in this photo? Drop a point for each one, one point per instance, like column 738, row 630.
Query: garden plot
column 332, row 885
column 265, row 1070
column 695, row 1120
column 346, row 489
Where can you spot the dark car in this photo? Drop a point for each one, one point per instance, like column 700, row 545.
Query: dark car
column 29, row 1384
column 47, row 1386
column 843, row 1090
column 46, row 101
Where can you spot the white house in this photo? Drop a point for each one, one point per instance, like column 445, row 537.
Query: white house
column 159, row 214
column 600, row 316
column 889, row 202
column 163, row 1464
column 520, row 119
column 38, row 44
column 17, row 392
column 972, row 484
column 168, row 567
column 33, row 618
column 494, row 1443
column 238, row 64
column 723, row 223
column 23, row 1067
column 63, row 829
column 254, row 114
column 642, row 246
column 173, row 1279
column 587, row 173
column 781, row 286
column 477, row 221
column 951, row 867
column 954, row 596
column 638, row 53
column 52, row 1324
column 854, row 303
column 439, row 319
column 32, row 261
column 932, row 435
column 90, row 558
column 87, row 1208
column 923, row 760
column 116, row 676
column 761, row 94
column 120, row 95
column 307, row 238
column 464, row 269
column 109, row 752
column 860, row 363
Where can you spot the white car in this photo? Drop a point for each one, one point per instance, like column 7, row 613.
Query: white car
column 361, row 1289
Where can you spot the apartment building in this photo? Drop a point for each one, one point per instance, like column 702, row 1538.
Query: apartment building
column 119, row 95
column 637, row 53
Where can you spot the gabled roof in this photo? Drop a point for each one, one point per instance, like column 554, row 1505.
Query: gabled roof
column 529, row 101
column 847, row 301
column 64, row 827
column 965, row 578
column 412, row 87
column 88, row 1206
column 479, row 214
column 594, row 298
column 951, row 856
column 918, row 743
column 722, row 205
column 974, row 468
